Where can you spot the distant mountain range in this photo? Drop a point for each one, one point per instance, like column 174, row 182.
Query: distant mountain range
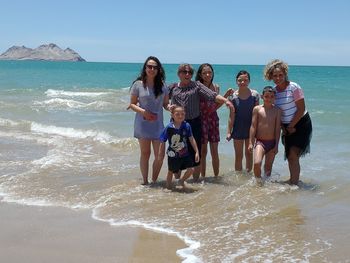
column 44, row 52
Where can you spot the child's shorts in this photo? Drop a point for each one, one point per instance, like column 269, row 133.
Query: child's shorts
column 178, row 164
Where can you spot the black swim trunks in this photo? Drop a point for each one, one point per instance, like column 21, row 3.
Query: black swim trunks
column 178, row 164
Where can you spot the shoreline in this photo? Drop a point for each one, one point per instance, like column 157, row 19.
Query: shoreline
column 57, row 234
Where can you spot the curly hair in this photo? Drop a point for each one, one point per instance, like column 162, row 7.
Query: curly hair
column 274, row 64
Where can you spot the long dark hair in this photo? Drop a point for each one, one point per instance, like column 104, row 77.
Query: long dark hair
column 159, row 79
column 199, row 73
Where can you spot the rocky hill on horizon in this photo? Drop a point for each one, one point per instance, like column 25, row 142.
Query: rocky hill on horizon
column 50, row 52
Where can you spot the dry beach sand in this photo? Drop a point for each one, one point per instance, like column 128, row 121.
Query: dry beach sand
column 51, row 234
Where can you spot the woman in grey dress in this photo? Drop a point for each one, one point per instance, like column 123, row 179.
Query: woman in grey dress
column 148, row 97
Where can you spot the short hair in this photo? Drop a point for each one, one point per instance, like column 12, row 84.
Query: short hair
column 183, row 66
column 268, row 89
column 243, row 72
column 274, row 64
column 178, row 107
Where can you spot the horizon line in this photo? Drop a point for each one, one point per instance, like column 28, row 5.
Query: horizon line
column 171, row 63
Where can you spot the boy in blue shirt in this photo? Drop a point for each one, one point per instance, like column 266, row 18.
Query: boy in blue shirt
column 178, row 133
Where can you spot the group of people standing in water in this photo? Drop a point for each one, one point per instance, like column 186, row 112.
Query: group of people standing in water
column 193, row 104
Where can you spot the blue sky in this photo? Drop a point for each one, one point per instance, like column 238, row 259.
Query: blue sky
column 301, row 32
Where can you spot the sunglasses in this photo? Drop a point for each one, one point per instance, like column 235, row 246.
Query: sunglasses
column 152, row 67
column 186, row 72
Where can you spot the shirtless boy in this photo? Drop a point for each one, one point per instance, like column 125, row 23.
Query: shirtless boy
column 265, row 133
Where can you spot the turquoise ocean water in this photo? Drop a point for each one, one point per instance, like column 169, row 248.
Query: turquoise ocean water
column 66, row 140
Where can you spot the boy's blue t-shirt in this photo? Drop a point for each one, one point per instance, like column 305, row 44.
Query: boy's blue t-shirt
column 177, row 139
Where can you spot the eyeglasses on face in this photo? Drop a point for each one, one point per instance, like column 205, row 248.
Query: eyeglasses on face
column 152, row 67
column 186, row 72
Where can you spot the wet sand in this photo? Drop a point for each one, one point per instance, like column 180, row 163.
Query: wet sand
column 52, row 234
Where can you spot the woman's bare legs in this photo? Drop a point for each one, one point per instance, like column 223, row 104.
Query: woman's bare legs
column 215, row 157
column 203, row 164
column 145, row 151
column 294, row 165
column 157, row 164
column 238, row 146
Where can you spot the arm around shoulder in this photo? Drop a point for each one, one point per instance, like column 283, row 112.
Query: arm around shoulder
column 229, row 92
column 257, row 97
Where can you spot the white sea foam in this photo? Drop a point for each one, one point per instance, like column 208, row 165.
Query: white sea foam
column 231, row 258
column 28, row 137
column 71, row 132
column 59, row 103
column 10, row 123
column 68, row 132
column 185, row 253
column 41, row 202
column 62, row 93
column 6, row 122
column 50, row 160
column 102, row 105
column 27, row 201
